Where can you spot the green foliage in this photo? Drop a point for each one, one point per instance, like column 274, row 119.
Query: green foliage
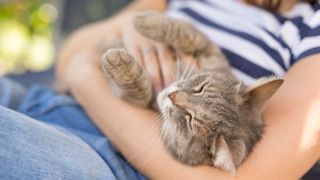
column 26, row 35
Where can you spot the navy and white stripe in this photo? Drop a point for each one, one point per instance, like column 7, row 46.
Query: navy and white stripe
column 257, row 43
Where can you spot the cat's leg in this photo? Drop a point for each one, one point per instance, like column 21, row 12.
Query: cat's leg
column 174, row 32
column 181, row 36
column 130, row 81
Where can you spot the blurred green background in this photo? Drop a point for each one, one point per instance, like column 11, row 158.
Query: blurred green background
column 31, row 32
column 26, row 33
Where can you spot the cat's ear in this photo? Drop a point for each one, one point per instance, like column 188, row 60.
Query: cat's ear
column 259, row 93
column 222, row 156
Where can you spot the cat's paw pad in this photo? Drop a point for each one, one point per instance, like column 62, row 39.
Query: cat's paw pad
column 116, row 61
column 120, row 66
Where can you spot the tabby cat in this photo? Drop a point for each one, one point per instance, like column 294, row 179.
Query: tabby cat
column 209, row 117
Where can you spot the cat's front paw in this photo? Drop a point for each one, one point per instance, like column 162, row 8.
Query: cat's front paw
column 117, row 65
column 174, row 32
column 126, row 73
column 151, row 24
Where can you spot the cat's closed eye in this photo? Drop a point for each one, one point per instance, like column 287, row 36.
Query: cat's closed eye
column 200, row 88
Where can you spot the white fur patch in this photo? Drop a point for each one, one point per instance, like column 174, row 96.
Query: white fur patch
column 163, row 100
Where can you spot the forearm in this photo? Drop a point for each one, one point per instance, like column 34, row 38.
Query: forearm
column 92, row 35
column 289, row 147
column 133, row 131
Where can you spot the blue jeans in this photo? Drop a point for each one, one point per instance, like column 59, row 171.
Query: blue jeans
column 48, row 136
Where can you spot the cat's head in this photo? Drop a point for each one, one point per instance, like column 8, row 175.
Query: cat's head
column 213, row 119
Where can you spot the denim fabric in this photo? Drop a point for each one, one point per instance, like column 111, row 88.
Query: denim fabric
column 11, row 93
column 51, row 137
column 30, row 149
column 57, row 140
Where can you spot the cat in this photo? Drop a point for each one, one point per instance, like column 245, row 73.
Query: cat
column 209, row 116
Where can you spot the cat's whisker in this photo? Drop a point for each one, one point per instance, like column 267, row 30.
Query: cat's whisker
column 155, row 127
column 184, row 72
column 191, row 69
column 162, row 128
column 192, row 63
column 157, row 141
column 178, row 69
column 143, row 149
column 182, row 75
column 151, row 143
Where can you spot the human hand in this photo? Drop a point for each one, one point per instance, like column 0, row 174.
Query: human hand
column 157, row 59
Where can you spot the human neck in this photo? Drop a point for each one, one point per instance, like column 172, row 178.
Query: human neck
column 286, row 5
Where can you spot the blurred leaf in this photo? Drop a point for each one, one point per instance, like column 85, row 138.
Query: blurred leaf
column 26, row 35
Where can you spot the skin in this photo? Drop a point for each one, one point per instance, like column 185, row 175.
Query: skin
column 290, row 145
column 120, row 25
column 156, row 58
column 285, row 4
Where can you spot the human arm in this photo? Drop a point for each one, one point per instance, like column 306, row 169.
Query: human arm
column 89, row 37
column 92, row 36
column 289, row 147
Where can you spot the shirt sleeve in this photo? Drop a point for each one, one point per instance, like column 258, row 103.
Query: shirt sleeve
column 308, row 28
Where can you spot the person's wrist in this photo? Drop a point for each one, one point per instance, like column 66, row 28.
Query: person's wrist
column 81, row 67
column 83, row 79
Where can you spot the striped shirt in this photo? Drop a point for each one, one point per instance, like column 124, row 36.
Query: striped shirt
column 256, row 42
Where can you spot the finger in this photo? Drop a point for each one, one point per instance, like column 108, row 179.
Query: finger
column 152, row 66
column 136, row 53
column 167, row 63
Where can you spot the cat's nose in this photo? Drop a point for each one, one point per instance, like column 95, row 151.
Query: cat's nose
column 179, row 98
column 172, row 96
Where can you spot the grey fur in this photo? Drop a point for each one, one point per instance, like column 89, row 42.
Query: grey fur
column 210, row 117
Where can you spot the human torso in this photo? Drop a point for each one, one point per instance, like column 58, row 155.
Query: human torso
column 257, row 43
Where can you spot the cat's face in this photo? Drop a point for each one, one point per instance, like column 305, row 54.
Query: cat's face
column 201, row 114
column 197, row 109
column 197, row 106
